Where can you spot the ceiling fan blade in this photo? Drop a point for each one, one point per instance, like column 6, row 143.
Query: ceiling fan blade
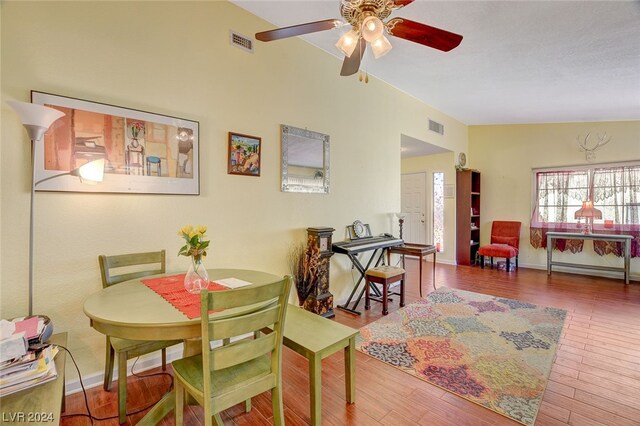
column 423, row 34
column 351, row 64
column 402, row 3
column 296, row 30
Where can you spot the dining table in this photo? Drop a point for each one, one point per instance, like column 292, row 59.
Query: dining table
column 132, row 310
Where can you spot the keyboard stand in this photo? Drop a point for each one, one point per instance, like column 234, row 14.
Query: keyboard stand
column 362, row 270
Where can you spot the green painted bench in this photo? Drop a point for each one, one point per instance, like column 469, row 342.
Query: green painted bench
column 315, row 338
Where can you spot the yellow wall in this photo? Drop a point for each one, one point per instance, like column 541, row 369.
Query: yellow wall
column 438, row 163
column 174, row 58
column 506, row 155
column 1, row 144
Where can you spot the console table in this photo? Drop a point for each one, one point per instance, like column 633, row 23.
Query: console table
column 624, row 239
column 419, row 250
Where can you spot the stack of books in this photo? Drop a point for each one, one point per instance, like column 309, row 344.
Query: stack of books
column 24, row 361
column 31, row 369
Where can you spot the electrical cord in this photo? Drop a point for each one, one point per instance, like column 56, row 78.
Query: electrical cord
column 86, row 400
column 84, row 391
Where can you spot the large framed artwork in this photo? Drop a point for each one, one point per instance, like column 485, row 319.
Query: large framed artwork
column 244, row 155
column 144, row 152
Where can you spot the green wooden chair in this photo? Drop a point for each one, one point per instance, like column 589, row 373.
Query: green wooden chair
column 235, row 372
column 122, row 348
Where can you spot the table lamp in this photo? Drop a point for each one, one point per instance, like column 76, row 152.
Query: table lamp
column 588, row 212
column 401, row 217
column 37, row 119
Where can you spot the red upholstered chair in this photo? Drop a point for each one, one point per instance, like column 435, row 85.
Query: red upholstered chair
column 505, row 242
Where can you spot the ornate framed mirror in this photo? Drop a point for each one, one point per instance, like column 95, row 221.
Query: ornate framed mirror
column 305, row 160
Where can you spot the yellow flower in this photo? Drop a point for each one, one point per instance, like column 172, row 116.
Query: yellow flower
column 196, row 246
column 197, row 231
column 185, row 230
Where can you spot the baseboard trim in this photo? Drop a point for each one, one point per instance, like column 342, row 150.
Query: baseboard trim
column 578, row 271
column 568, row 270
column 148, row 362
column 428, row 258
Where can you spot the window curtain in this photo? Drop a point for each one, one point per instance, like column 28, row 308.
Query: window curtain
column 632, row 175
column 616, row 190
column 608, row 192
column 556, row 193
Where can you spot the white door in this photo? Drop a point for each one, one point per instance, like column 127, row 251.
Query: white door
column 413, row 199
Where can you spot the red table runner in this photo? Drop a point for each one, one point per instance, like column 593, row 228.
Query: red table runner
column 172, row 290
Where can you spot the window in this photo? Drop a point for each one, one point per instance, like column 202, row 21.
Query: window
column 615, row 190
column 560, row 195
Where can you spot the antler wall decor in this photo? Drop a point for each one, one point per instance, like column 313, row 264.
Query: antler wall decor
column 589, row 152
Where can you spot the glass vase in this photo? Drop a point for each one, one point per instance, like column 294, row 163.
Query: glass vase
column 196, row 277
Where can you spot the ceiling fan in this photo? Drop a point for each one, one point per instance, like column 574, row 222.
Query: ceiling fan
column 366, row 19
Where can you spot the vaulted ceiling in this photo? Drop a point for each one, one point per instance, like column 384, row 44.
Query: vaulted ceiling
column 519, row 61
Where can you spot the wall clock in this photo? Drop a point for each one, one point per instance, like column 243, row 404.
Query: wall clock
column 462, row 160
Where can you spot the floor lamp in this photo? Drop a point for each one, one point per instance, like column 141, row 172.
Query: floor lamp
column 37, row 119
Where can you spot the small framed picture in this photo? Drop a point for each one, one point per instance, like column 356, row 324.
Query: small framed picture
column 244, row 155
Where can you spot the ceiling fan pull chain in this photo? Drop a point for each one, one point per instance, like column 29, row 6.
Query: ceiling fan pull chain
column 360, row 76
column 366, row 79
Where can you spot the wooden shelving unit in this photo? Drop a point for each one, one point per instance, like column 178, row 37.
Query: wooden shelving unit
column 467, row 216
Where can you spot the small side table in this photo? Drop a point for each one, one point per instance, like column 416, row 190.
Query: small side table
column 419, row 250
column 43, row 403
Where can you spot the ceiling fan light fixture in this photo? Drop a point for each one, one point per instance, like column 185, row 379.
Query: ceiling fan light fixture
column 372, row 28
column 368, row 21
column 380, row 47
column 348, row 42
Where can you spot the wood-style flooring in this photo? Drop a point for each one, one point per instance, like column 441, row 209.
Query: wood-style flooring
column 595, row 378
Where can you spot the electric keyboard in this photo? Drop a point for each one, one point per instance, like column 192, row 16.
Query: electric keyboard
column 376, row 245
column 365, row 244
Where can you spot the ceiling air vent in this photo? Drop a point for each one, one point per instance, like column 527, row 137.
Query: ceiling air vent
column 240, row 41
column 434, row 126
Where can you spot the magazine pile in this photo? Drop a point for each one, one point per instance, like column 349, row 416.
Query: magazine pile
column 21, row 366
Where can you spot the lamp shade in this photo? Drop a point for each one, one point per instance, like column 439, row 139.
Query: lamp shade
column 35, row 118
column 372, row 28
column 588, row 211
column 348, row 42
column 91, row 172
column 380, row 47
column 34, row 114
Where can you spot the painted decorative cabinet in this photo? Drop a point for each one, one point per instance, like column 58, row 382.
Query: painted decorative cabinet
column 320, row 301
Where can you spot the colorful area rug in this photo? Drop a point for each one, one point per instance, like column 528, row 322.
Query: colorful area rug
column 493, row 351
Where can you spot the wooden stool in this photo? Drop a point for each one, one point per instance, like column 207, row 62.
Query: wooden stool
column 383, row 275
